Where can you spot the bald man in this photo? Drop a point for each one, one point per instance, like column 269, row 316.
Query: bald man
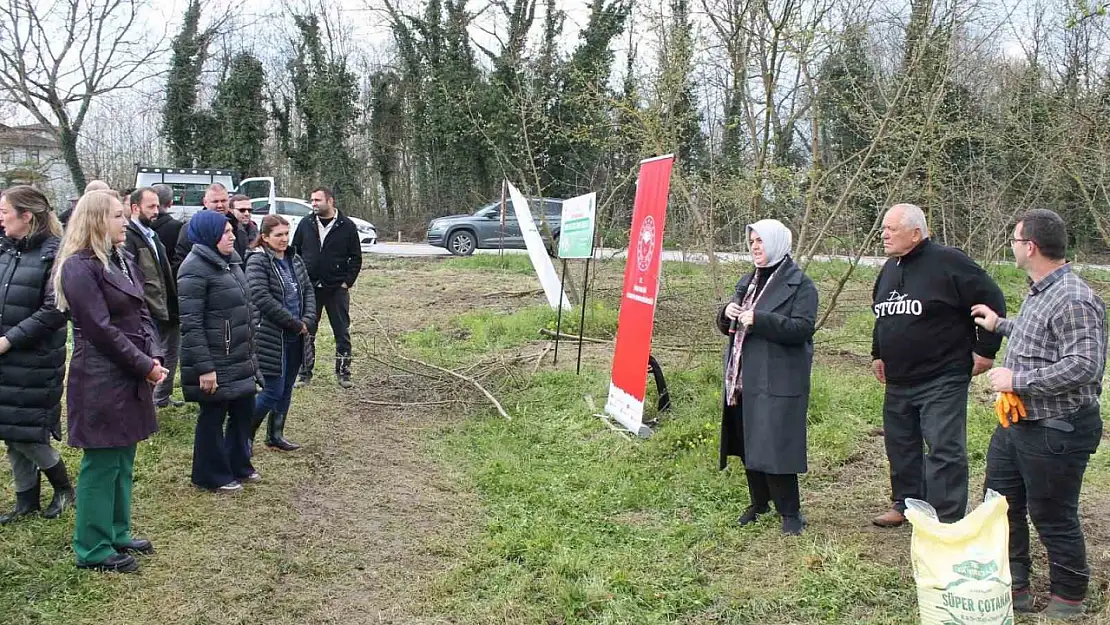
column 215, row 199
column 93, row 185
column 925, row 349
column 97, row 185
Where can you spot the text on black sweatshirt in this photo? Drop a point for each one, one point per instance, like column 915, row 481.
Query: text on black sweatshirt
column 922, row 304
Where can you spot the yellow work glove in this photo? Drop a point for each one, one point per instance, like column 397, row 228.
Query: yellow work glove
column 1009, row 409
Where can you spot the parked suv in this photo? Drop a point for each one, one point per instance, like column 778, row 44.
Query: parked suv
column 462, row 234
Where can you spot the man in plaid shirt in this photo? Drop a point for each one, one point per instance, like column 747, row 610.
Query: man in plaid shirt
column 1055, row 361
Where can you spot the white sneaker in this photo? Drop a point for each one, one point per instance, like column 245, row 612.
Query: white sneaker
column 230, row 488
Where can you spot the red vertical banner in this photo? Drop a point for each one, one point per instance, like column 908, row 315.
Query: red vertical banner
column 641, row 285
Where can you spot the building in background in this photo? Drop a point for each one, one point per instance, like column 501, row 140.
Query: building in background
column 31, row 155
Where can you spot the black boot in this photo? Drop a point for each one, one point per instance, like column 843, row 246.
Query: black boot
column 64, row 496
column 343, row 371
column 26, row 503
column 751, row 513
column 275, row 434
column 256, row 422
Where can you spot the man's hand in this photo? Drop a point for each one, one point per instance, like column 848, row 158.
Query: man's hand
column 1002, row 380
column 157, row 373
column 208, row 382
column 980, row 364
column 747, row 318
column 304, row 328
column 879, row 369
column 733, row 310
column 985, row 317
column 5, row 345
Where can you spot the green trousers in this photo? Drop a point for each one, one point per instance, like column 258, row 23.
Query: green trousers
column 103, row 503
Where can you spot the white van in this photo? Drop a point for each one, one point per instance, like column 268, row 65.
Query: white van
column 190, row 183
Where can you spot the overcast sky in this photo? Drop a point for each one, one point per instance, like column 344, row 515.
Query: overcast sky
column 266, row 24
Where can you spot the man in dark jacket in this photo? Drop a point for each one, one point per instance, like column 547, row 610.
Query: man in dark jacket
column 159, row 287
column 926, row 349
column 241, row 208
column 328, row 242
column 168, row 228
column 215, row 199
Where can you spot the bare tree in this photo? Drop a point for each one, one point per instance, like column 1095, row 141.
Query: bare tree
column 57, row 57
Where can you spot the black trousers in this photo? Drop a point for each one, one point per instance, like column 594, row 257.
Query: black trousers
column 930, row 414
column 1039, row 470
column 764, row 488
column 336, row 302
column 222, row 455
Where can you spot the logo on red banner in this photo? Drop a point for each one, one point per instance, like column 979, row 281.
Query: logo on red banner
column 645, row 244
column 641, row 285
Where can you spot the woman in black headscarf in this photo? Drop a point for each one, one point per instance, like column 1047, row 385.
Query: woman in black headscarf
column 770, row 325
column 218, row 369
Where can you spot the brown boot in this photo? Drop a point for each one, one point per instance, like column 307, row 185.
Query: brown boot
column 890, row 518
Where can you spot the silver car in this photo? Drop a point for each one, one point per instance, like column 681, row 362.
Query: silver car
column 462, row 234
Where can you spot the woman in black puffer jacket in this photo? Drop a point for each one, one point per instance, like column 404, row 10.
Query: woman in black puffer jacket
column 284, row 313
column 218, row 369
column 32, row 351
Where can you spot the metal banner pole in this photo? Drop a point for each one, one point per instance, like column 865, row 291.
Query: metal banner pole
column 559, row 321
column 501, row 237
column 582, row 321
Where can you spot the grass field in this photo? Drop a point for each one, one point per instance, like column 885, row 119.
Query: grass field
column 415, row 502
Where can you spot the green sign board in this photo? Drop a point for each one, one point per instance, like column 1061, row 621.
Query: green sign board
column 576, row 231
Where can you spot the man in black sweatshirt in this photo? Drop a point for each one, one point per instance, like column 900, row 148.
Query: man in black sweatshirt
column 328, row 242
column 926, row 348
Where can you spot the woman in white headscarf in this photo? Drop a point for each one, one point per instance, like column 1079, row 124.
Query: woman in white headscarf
column 770, row 325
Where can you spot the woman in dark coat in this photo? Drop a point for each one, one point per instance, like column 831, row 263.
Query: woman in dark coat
column 284, row 313
column 110, row 391
column 766, row 390
column 32, row 351
column 217, row 354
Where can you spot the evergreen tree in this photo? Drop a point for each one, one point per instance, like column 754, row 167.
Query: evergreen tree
column 240, row 117
column 183, row 126
column 316, row 124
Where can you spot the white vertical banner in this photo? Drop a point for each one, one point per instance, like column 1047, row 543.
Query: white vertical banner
column 549, row 280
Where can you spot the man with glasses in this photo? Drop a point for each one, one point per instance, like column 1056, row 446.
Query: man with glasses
column 925, row 349
column 1055, row 360
column 241, row 208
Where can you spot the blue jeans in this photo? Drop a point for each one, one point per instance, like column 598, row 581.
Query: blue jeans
column 277, row 392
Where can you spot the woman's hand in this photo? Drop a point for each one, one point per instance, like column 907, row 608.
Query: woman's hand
column 5, row 345
column 733, row 310
column 304, row 328
column 747, row 318
column 208, row 382
column 157, row 373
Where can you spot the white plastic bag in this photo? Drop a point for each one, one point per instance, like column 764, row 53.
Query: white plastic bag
column 962, row 569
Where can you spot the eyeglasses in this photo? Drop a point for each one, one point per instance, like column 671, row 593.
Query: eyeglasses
column 243, row 210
